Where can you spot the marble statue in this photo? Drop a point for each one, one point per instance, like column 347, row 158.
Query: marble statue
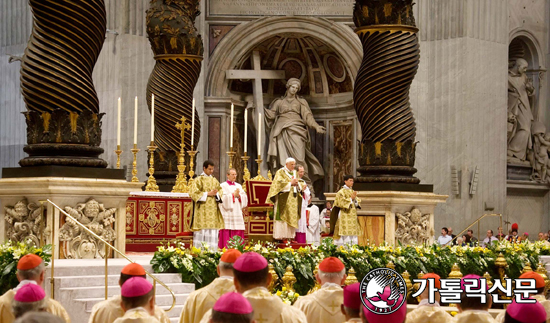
column 520, row 114
column 24, row 222
column 287, row 121
column 80, row 244
column 541, row 146
column 413, row 227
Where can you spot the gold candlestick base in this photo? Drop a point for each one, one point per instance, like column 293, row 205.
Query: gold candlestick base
column 118, row 152
column 192, row 154
column 181, row 181
column 134, row 151
column 259, row 177
column 231, row 154
column 152, row 182
column 246, row 175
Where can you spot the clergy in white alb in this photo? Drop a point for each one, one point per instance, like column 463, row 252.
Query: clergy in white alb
column 109, row 310
column 351, row 307
column 285, row 195
column 30, row 270
column 427, row 312
column 324, row 305
column 473, row 309
column 251, row 279
column 201, row 301
column 137, row 301
column 234, row 200
column 207, row 219
column 301, row 231
column 313, row 234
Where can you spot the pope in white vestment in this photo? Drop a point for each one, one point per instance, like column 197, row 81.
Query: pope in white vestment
column 234, row 200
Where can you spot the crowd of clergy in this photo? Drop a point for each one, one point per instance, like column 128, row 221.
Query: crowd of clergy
column 219, row 209
column 240, row 295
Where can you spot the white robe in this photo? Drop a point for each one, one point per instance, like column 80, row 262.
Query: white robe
column 313, row 234
column 302, row 223
column 232, row 209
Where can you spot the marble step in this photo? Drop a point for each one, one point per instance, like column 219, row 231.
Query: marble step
column 99, row 291
column 160, row 300
column 99, row 280
column 88, row 267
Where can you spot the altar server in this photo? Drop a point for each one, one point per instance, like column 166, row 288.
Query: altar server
column 138, row 301
column 540, row 286
column 109, row 310
column 324, row 305
column 351, row 308
column 202, row 300
column 232, row 308
column 348, row 228
column 30, row 270
column 207, row 219
column 251, row 280
column 285, row 195
column 306, row 196
column 234, row 200
column 313, row 233
column 426, row 312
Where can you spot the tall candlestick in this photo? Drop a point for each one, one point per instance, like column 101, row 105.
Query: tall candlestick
column 259, row 134
column 135, row 120
column 118, row 125
column 231, row 126
column 245, row 128
column 152, row 118
column 193, row 125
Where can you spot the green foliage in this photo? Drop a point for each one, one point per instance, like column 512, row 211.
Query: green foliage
column 199, row 265
column 10, row 253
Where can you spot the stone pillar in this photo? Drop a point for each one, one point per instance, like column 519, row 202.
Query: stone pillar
column 178, row 50
column 381, row 94
column 63, row 118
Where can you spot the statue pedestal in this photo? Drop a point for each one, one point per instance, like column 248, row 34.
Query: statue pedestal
column 381, row 210
column 110, row 195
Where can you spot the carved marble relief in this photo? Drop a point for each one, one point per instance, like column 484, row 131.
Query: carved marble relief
column 76, row 242
column 24, row 222
column 413, row 227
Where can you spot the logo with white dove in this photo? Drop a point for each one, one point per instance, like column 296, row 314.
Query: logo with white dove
column 383, row 291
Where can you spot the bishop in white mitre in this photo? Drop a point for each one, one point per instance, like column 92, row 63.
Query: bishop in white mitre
column 234, row 200
column 306, row 196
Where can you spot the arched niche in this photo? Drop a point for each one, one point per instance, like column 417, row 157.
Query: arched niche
column 524, row 45
column 332, row 109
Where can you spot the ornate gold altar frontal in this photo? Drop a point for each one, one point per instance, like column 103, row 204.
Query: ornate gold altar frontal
column 152, row 220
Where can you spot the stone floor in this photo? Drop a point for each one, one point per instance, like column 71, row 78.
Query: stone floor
column 80, row 283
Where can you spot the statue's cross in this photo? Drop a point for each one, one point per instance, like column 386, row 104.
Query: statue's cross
column 257, row 75
column 183, row 126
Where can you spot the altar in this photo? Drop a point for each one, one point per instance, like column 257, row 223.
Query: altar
column 155, row 218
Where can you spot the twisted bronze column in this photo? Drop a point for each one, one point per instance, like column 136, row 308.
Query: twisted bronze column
column 381, row 94
column 178, row 50
column 63, row 119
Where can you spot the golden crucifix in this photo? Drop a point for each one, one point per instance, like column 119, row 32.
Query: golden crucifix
column 181, row 180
